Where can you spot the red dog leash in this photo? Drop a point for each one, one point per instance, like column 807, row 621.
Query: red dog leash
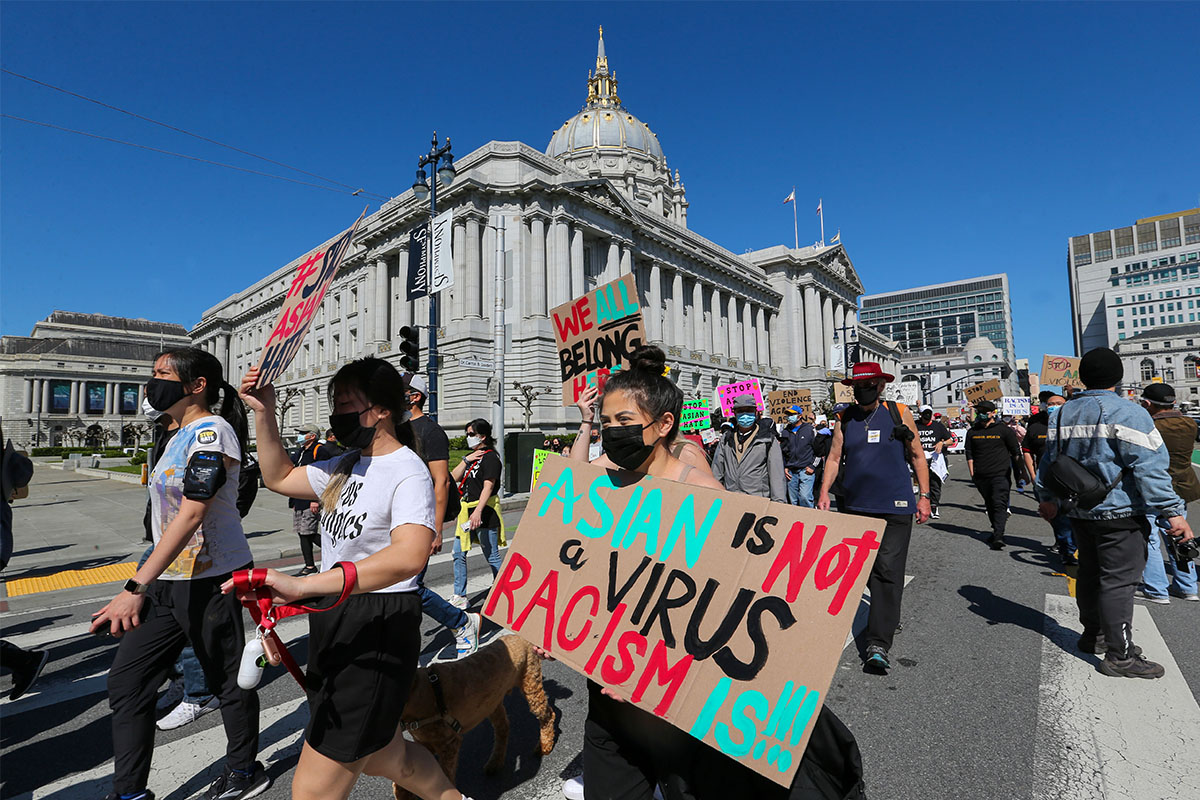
column 266, row 615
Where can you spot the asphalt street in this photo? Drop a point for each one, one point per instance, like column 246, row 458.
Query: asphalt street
column 987, row 698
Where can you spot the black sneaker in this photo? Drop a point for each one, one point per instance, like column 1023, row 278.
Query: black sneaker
column 233, row 786
column 877, row 658
column 146, row 795
column 995, row 543
column 1133, row 667
column 24, row 677
column 307, row 571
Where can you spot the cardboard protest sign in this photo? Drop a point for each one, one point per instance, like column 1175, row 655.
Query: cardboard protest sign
column 906, row 392
column 312, row 279
column 1060, row 371
column 779, row 404
column 988, row 390
column 539, row 458
column 842, row 393
column 722, row 613
column 730, row 391
column 595, row 335
column 1014, row 406
column 697, row 415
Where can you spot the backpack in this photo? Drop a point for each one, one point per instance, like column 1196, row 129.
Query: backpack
column 250, row 477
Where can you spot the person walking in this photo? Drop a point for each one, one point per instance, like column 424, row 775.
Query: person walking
column 435, row 450
column 993, row 455
column 306, row 514
column 1100, row 433
column 933, row 435
column 749, row 459
column 800, row 462
column 478, row 478
column 874, row 444
column 378, row 509
column 1179, row 435
column 1032, row 448
column 16, row 470
column 175, row 597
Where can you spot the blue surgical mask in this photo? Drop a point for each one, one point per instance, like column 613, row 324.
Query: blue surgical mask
column 793, row 419
column 746, row 420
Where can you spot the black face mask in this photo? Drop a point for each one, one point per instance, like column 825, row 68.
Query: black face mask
column 349, row 431
column 624, row 446
column 865, row 395
column 163, row 393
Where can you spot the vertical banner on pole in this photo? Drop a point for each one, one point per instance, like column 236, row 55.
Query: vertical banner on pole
column 418, row 263
column 441, row 263
column 312, row 279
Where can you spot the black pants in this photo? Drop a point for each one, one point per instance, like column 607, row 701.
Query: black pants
column 886, row 582
column 177, row 613
column 995, row 490
column 935, row 489
column 1112, row 556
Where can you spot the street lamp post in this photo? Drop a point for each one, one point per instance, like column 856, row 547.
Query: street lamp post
column 441, row 163
column 848, row 332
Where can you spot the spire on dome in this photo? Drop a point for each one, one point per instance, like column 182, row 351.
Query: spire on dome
column 602, row 87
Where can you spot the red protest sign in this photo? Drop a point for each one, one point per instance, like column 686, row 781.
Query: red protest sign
column 312, row 278
column 722, row 613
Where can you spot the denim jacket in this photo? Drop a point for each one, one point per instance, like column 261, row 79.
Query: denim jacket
column 1107, row 433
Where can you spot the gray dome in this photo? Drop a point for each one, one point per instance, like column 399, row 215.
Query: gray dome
column 603, row 128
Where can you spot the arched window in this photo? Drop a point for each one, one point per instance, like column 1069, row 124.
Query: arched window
column 1147, row 370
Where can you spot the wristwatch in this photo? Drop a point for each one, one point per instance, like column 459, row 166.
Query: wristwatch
column 136, row 588
column 925, row 495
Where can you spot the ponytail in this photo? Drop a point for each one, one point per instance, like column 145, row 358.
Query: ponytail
column 333, row 489
column 233, row 411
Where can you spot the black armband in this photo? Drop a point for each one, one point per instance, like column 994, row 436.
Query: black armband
column 204, row 476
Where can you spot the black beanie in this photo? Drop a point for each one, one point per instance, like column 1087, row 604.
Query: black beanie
column 1100, row 369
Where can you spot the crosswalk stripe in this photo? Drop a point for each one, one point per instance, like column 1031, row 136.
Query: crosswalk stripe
column 1102, row 738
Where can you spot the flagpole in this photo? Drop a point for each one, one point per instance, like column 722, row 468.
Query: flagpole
column 821, row 214
column 795, row 219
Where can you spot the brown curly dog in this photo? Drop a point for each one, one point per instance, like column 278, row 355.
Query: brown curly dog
column 474, row 689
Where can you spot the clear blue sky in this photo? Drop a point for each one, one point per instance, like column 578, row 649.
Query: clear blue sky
column 947, row 140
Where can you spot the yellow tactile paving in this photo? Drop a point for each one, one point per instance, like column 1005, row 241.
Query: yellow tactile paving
column 69, row 579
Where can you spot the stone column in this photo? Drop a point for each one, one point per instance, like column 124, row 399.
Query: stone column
column 749, row 339
column 677, row 309
column 142, row 395
column 577, row 279
column 827, row 327
column 473, row 273
column 626, row 258
column 487, row 287
column 35, row 395
column 698, row 339
column 813, row 335
column 562, row 261
column 380, row 304
column 73, row 408
column 612, row 267
column 768, row 334
column 653, row 314
column 223, row 351
column 790, row 333
column 458, row 249
column 761, row 316
column 716, row 329
column 735, row 342
column 28, row 395
column 538, row 280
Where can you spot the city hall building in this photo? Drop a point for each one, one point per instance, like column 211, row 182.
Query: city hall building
column 599, row 203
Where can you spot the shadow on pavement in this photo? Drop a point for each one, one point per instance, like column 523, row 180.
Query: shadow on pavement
column 999, row 610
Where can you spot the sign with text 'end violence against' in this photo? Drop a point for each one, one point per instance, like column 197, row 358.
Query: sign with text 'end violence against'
column 722, row 613
column 595, row 334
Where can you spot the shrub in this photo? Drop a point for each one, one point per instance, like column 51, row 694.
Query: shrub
column 138, row 458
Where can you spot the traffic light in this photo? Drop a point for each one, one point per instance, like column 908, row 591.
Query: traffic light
column 410, row 348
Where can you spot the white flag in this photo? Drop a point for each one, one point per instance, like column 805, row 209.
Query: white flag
column 837, row 238
column 791, row 198
column 837, row 358
column 441, row 261
column 819, row 206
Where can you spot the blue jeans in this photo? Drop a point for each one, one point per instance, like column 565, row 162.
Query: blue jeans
column 195, row 687
column 800, row 488
column 434, row 606
column 489, row 540
column 1062, row 534
column 1157, row 573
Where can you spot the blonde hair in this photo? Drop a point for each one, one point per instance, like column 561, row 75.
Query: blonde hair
column 333, row 489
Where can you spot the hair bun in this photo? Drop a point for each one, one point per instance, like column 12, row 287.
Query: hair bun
column 648, row 358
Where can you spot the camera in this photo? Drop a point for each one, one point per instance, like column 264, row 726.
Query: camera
column 1182, row 553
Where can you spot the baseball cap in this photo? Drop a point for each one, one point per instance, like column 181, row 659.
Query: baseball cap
column 985, row 406
column 924, row 408
column 417, row 384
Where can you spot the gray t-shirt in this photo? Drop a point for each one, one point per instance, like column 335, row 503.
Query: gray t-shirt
column 218, row 546
column 380, row 493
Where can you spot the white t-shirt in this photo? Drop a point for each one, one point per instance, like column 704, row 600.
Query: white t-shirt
column 380, row 493
column 218, row 546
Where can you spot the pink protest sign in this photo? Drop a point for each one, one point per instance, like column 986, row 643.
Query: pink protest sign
column 729, row 392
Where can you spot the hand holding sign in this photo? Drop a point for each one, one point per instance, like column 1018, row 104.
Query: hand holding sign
column 259, row 399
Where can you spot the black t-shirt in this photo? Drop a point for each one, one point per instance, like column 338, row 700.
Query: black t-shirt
column 1034, row 442
column 994, row 450
column 931, row 434
column 487, row 468
column 435, row 445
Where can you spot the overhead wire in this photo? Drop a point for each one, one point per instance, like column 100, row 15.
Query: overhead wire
column 356, row 193
column 359, row 191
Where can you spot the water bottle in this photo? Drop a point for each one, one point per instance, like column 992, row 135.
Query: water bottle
column 254, row 661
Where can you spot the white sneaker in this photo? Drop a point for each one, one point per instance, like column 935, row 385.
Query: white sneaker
column 186, row 713
column 1191, row 598
column 466, row 638
column 572, row 788
column 458, row 601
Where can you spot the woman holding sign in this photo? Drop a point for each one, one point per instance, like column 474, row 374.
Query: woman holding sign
column 377, row 513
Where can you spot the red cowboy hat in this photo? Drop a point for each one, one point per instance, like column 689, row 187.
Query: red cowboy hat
column 865, row 371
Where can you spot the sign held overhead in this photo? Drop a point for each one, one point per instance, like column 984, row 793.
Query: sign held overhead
column 595, row 335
